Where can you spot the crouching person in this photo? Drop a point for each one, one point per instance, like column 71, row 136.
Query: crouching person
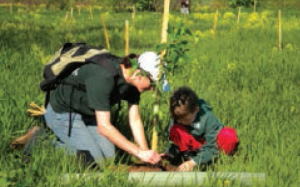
column 197, row 134
column 81, row 118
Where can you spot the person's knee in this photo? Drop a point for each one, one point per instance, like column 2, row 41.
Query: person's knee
column 177, row 131
column 228, row 140
column 183, row 138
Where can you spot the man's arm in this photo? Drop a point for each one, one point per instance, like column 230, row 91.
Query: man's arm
column 136, row 126
column 110, row 132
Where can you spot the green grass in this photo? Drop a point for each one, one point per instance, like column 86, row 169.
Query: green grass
column 250, row 85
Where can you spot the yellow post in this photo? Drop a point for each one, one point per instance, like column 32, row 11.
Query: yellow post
column 126, row 37
column 66, row 19
column 71, row 20
column 72, row 12
column 239, row 15
column 164, row 31
column 66, row 16
column 279, row 31
column 133, row 13
column 91, row 13
column 215, row 23
column 164, row 37
column 105, row 32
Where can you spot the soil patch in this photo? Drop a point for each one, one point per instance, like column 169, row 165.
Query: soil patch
column 148, row 167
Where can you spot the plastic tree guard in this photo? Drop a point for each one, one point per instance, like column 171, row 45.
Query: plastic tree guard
column 180, row 178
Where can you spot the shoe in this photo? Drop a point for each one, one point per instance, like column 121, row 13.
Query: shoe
column 22, row 141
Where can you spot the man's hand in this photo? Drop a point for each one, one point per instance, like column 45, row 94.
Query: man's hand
column 149, row 156
column 187, row 166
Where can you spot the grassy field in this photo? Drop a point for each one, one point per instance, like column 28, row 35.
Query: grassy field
column 250, row 85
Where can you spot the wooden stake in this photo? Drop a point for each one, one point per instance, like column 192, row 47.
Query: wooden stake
column 279, row 31
column 91, row 13
column 71, row 20
column 105, row 32
column 239, row 15
column 126, row 37
column 66, row 16
column 215, row 23
column 254, row 6
column 66, row 19
column 133, row 13
column 11, row 8
column 164, row 37
column 164, row 31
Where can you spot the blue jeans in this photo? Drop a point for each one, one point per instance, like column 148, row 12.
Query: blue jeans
column 84, row 134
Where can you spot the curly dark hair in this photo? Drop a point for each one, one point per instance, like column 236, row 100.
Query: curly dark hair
column 182, row 102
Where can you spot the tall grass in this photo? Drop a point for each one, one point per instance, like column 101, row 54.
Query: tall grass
column 250, row 85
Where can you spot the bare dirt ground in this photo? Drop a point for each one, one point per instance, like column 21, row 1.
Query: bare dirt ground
column 147, row 167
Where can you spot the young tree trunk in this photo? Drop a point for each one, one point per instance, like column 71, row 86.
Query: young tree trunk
column 164, row 34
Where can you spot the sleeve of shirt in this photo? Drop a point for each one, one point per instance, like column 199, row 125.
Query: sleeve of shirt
column 209, row 150
column 98, row 89
column 132, row 95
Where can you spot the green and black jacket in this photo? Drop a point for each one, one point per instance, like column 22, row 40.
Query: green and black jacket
column 205, row 127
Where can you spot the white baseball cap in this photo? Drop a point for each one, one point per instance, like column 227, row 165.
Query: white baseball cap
column 149, row 61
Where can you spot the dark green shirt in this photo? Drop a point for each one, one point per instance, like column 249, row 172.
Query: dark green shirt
column 205, row 127
column 103, row 90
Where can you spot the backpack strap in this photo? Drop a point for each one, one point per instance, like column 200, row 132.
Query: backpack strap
column 106, row 60
column 70, row 113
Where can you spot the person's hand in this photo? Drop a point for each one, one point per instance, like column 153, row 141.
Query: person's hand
column 149, row 156
column 187, row 166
